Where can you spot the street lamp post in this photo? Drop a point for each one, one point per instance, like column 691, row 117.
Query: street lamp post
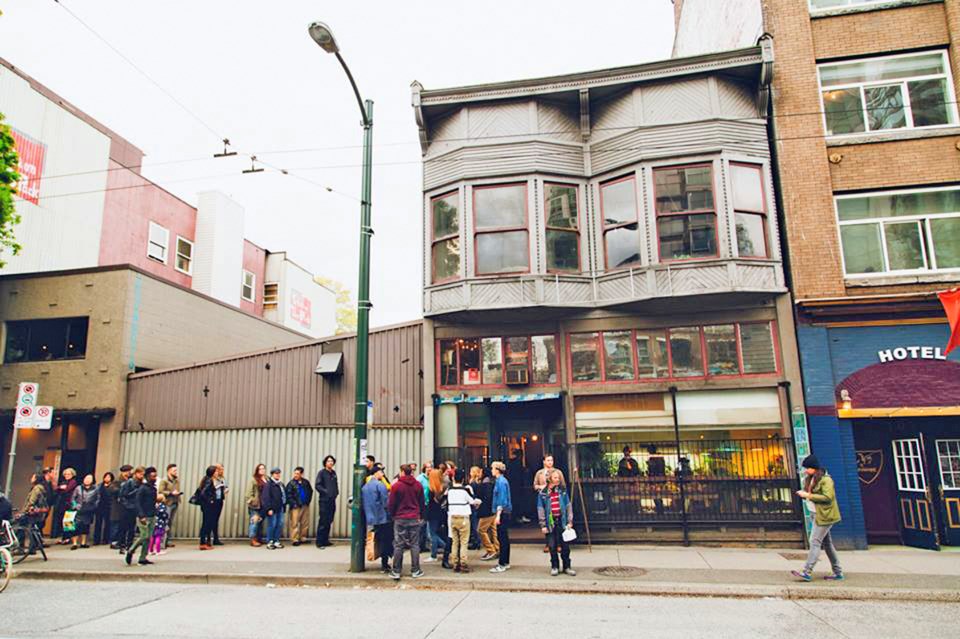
column 322, row 35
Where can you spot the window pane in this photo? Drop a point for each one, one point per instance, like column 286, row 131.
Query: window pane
column 518, row 352
column 48, row 340
column 619, row 202
column 469, row 361
column 544, row 359
column 492, row 360
column 446, row 218
column 683, row 189
column 861, row 248
column 747, row 188
column 18, row 341
column 500, row 206
column 756, row 347
column 448, row 363
column 623, row 246
column 921, row 203
column 844, row 111
column 885, row 107
column 686, row 353
column 721, row 349
column 77, row 337
column 502, row 252
column 184, row 248
column 652, row 358
column 928, row 100
column 584, row 358
column 750, row 235
column 446, row 259
column 946, row 241
column 903, row 246
column 687, row 236
column 876, row 70
column 617, row 355
column 561, row 206
column 563, row 251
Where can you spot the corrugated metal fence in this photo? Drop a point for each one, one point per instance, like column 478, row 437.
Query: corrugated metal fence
column 241, row 449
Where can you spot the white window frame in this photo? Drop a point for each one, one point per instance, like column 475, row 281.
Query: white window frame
column 927, row 245
column 915, row 455
column 908, row 111
column 253, row 286
column 151, row 243
column 950, row 454
column 176, row 257
column 850, row 4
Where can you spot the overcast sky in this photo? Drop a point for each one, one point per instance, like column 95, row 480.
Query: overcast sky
column 250, row 72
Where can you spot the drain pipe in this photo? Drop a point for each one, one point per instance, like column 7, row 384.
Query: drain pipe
column 679, row 470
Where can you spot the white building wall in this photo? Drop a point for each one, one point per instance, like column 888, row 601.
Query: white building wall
column 707, row 26
column 63, row 230
column 298, row 291
column 218, row 247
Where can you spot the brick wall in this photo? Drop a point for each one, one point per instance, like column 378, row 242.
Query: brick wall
column 907, row 163
column 900, row 29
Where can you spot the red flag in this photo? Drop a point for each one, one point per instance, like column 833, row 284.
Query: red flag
column 951, row 304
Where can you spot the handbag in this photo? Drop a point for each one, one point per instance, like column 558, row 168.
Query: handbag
column 195, row 498
column 69, row 521
column 569, row 534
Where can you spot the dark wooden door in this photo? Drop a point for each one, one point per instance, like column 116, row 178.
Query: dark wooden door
column 945, row 473
column 917, row 518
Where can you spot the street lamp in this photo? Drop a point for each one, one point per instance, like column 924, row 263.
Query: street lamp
column 322, row 35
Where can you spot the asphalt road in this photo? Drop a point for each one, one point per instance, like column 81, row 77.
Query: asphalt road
column 103, row 610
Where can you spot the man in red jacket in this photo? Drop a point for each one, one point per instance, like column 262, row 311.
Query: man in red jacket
column 405, row 507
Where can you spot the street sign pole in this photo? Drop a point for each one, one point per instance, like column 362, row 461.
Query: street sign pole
column 13, row 456
column 23, row 417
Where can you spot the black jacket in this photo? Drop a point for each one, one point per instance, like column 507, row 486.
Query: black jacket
column 484, row 493
column 147, row 500
column 271, row 497
column 326, row 484
column 207, row 493
column 293, row 493
column 128, row 494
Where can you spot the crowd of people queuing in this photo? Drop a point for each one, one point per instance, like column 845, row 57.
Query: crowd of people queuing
column 443, row 510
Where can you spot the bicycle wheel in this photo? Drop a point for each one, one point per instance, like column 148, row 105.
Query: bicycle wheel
column 19, row 549
column 6, row 568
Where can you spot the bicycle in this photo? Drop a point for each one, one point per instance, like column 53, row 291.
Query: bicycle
column 6, row 561
column 26, row 539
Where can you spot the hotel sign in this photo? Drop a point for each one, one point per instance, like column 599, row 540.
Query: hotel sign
column 910, row 352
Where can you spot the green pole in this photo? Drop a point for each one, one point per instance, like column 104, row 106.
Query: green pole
column 357, row 534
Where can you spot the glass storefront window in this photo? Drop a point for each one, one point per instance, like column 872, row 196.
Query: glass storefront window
column 721, row 342
column 469, row 362
column 584, row 357
column 652, row 358
column 756, row 346
column 617, row 355
column 686, row 353
column 448, row 363
column 492, row 349
column 544, row 358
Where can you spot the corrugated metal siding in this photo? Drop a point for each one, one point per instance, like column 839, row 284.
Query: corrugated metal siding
column 241, row 450
column 279, row 388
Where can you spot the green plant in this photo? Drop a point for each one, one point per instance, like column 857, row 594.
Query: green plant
column 9, row 178
column 346, row 310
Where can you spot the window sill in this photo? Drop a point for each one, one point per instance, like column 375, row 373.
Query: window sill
column 879, row 6
column 896, row 280
column 893, row 136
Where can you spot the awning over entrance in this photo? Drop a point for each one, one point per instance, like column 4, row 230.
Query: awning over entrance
column 496, row 399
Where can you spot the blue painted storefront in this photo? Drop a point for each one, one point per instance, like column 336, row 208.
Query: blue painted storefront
column 829, row 355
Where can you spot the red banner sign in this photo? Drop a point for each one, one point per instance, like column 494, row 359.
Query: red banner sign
column 301, row 309
column 31, row 153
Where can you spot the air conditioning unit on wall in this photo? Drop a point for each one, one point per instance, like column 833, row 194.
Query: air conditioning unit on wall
column 517, row 376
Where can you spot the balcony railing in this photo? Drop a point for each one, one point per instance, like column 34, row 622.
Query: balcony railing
column 604, row 289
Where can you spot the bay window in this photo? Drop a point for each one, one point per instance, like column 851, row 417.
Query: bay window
column 445, row 245
column 621, row 230
column 750, row 209
column 563, row 228
column 686, row 217
column 502, row 238
column 894, row 92
column 900, row 232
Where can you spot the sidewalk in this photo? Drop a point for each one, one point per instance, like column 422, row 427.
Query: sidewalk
column 890, row 573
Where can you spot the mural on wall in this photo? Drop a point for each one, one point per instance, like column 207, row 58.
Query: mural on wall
column 32, row 153
column 300, row 308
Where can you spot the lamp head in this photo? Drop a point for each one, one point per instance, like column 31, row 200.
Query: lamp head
column 323, row 36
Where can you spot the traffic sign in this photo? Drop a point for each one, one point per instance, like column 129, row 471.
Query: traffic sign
column 24, row 417
column 27, row 394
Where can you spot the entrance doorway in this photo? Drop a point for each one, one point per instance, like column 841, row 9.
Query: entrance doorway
column 909, row 471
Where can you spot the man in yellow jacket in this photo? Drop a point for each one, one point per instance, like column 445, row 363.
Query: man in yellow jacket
column 818, row 489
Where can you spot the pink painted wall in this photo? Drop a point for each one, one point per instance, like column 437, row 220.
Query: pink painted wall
column 255, row 261
column 131, row 203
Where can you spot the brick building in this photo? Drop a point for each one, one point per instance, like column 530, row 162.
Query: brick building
column 866, row 133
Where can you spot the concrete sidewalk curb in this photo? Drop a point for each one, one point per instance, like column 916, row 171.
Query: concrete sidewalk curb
column 572, row 586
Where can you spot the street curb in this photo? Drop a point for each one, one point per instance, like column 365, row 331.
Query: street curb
column 567, row 586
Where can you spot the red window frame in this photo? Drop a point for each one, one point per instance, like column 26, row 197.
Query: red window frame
column 548, row 228
column 477, row 232
column 503, row 355
column 713, row 211
column 763, row 213
column 671, row 377
column 434, row 240
column 632, row 177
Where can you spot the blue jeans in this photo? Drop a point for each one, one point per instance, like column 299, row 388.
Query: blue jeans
column 437, row 540
column 255, row 519
column 274, row 526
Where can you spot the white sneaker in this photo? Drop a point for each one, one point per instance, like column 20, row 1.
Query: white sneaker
column 429, row 560
column 162, row 552
column 500, row 568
